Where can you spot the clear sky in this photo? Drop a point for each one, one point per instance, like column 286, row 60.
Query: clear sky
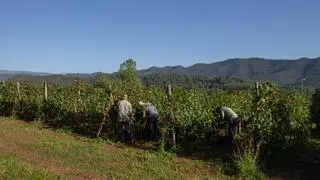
column 97, row 35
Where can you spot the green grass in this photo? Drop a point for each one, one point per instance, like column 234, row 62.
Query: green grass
column 33, row 152
column 14, row 168
column 248, row 168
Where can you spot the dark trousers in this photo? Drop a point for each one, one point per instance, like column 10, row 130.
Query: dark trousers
column 124, row 131
column 232, row 126
column 154, row 121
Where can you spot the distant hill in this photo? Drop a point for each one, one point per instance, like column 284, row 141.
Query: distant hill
column 5, row 74
column 282, row 72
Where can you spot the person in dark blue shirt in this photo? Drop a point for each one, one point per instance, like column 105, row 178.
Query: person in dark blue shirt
column 151, row 115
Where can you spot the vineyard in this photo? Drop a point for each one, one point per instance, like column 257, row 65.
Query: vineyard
column 273, row 119
column 80, row 107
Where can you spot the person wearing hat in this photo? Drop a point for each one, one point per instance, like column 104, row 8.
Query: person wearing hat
column 151, row 114
column 124, row 121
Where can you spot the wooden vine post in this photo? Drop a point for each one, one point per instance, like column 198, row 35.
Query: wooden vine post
column 169, row 92
column 78, row 102
column 45, row 101
column 257, row 96
column 18, row 90
column 255, row 146
column 257, row 88
column 45, row 91
column 19, row 96
column 171, row 117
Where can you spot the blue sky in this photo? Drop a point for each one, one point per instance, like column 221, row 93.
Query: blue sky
column 89, row 36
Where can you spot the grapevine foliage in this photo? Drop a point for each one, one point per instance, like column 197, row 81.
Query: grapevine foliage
column 271, row 116
column 276, row 119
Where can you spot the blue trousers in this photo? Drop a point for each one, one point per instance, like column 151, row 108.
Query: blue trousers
column 124, row 131
column 154, row 121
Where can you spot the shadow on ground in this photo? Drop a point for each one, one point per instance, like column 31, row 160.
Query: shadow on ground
column 298, row 162
column 218, row 152
column 295, row 162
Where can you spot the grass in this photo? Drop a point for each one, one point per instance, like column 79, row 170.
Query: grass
column 34, row 151
column 15, row 168
column 248, row 168
column 30, row 151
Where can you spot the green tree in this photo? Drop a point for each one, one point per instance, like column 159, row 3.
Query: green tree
column 102, row 81
column 128, row 74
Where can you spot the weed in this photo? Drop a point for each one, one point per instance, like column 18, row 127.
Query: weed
column 248, row 167
column 66, row 130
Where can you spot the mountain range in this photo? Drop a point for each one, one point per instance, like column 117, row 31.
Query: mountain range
column 6, row 74
column 283, row 72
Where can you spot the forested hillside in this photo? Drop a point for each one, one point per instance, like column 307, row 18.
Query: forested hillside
column 232, row 73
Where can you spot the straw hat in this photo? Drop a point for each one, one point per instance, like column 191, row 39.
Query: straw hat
column 125, row 96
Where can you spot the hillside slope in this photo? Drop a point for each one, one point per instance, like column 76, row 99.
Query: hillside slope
column 283, row 72
column 31, row 151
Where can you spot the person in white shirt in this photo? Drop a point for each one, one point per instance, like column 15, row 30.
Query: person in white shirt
column 124, row 121
column 231, row 118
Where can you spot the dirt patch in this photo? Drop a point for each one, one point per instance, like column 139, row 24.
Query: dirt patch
column 14, row 149
column 110, row 149
column 200, row 167
column 72, row 173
